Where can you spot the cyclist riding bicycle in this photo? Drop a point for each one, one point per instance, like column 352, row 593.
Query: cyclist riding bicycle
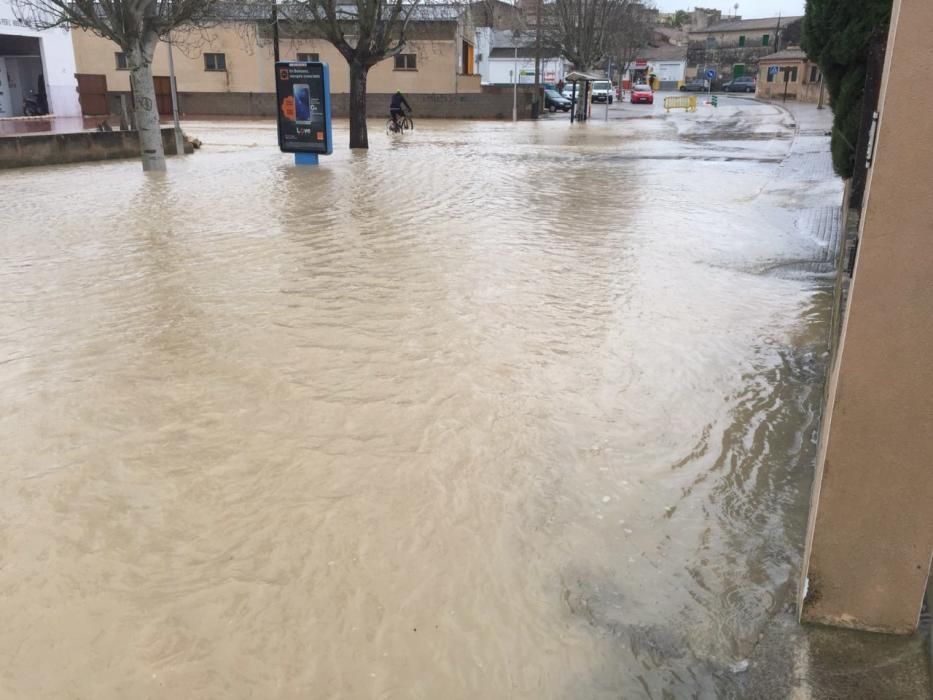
column 395, row 107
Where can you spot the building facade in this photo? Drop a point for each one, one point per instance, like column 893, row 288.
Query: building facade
column 38, row 63
column 790, row 73
column 228, row 68
column 664, row 67
column 735, row 47
column 508, row 56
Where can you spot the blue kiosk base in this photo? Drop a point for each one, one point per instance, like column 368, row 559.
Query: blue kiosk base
column 306, row 159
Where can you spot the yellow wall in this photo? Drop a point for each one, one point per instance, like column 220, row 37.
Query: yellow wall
column 245, row 72
column 249, row 66
column 801, row 89
column 437, row 63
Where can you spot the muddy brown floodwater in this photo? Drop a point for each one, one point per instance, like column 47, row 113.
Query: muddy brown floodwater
column 490, row 411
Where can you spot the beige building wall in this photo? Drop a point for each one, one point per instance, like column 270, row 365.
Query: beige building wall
column 753, row 37
column 870, row 538
column 436, row 67
column 801, row 89
column 250, row 65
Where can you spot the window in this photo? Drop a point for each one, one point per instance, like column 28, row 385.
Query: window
column 793, row 74
column 215, row 61
column 765, row 38
column 814, row 74
column 770, row 77
column 120, row 58
column 742, row 41
column 309, row 57
column 406, row 61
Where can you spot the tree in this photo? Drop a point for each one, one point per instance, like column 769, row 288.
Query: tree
column 678, row 19
column 136, row 26
column 584, row 29
column 789, row 35
column 840, row 35
column 365, row 32
column 634, row 32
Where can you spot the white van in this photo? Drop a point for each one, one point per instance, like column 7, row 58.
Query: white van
column 603, row 91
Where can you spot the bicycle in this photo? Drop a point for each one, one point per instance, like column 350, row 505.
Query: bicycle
column 403, row 123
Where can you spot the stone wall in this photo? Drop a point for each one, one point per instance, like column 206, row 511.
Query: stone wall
column 50, row 149
column 491, row 103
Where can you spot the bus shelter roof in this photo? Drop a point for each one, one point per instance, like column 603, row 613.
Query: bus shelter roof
column 574, row 76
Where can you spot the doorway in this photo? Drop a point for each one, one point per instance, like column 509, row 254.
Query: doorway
column 468, row 62
column 163, row 91
column 92, row 94
column 163, row 94
column 21, row 74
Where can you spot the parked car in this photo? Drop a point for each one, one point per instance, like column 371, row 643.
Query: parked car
column 642, row 94
column 602, row 91
column 554, row 101
column 744, row 83
column 568, row 90
column 695, row 85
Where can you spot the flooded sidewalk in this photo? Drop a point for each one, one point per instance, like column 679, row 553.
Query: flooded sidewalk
column 492, row 410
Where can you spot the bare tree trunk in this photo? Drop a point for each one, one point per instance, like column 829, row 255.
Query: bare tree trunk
column 145, row 106
column 359, row 138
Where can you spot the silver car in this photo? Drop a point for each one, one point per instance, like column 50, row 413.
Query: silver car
column 568, row 90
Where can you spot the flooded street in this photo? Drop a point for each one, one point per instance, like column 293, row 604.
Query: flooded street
column 490, row 411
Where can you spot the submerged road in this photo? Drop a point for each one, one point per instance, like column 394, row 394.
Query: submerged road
column 490, row 411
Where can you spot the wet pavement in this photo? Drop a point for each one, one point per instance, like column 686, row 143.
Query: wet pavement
column 17, row 126
column 492, row 410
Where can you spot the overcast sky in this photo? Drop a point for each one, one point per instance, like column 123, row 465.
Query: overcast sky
column 747, row 8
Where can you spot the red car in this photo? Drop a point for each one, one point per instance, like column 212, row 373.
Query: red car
column 642, row 93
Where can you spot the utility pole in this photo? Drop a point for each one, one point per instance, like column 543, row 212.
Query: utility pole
column 777, row 35
column 609, row 96
column 515, row 87
column 179, row 137
column 536, row 102
column 275, row 30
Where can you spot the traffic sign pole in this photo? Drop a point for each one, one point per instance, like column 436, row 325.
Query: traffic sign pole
column 710, row 76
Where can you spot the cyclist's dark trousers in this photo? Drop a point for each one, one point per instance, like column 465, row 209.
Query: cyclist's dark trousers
column 394, row 112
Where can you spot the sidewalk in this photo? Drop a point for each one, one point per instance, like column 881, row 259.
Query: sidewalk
column 810, row 661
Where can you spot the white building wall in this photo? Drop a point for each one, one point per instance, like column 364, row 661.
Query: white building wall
column 668, row 71
column 483, row 45
column 58, row 59
column 501, row 69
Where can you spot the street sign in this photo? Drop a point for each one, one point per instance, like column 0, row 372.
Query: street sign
column 711, row 74
column 303, row 100
column 773, row 70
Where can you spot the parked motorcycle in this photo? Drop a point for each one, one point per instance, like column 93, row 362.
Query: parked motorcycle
column 35, row 105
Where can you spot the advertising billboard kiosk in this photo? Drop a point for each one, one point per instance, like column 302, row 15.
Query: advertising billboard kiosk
column 302, row 91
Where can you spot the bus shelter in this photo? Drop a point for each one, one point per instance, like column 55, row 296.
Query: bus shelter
column 582, row 83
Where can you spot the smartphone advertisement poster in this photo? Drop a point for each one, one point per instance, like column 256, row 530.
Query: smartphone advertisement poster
column 303, row 97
